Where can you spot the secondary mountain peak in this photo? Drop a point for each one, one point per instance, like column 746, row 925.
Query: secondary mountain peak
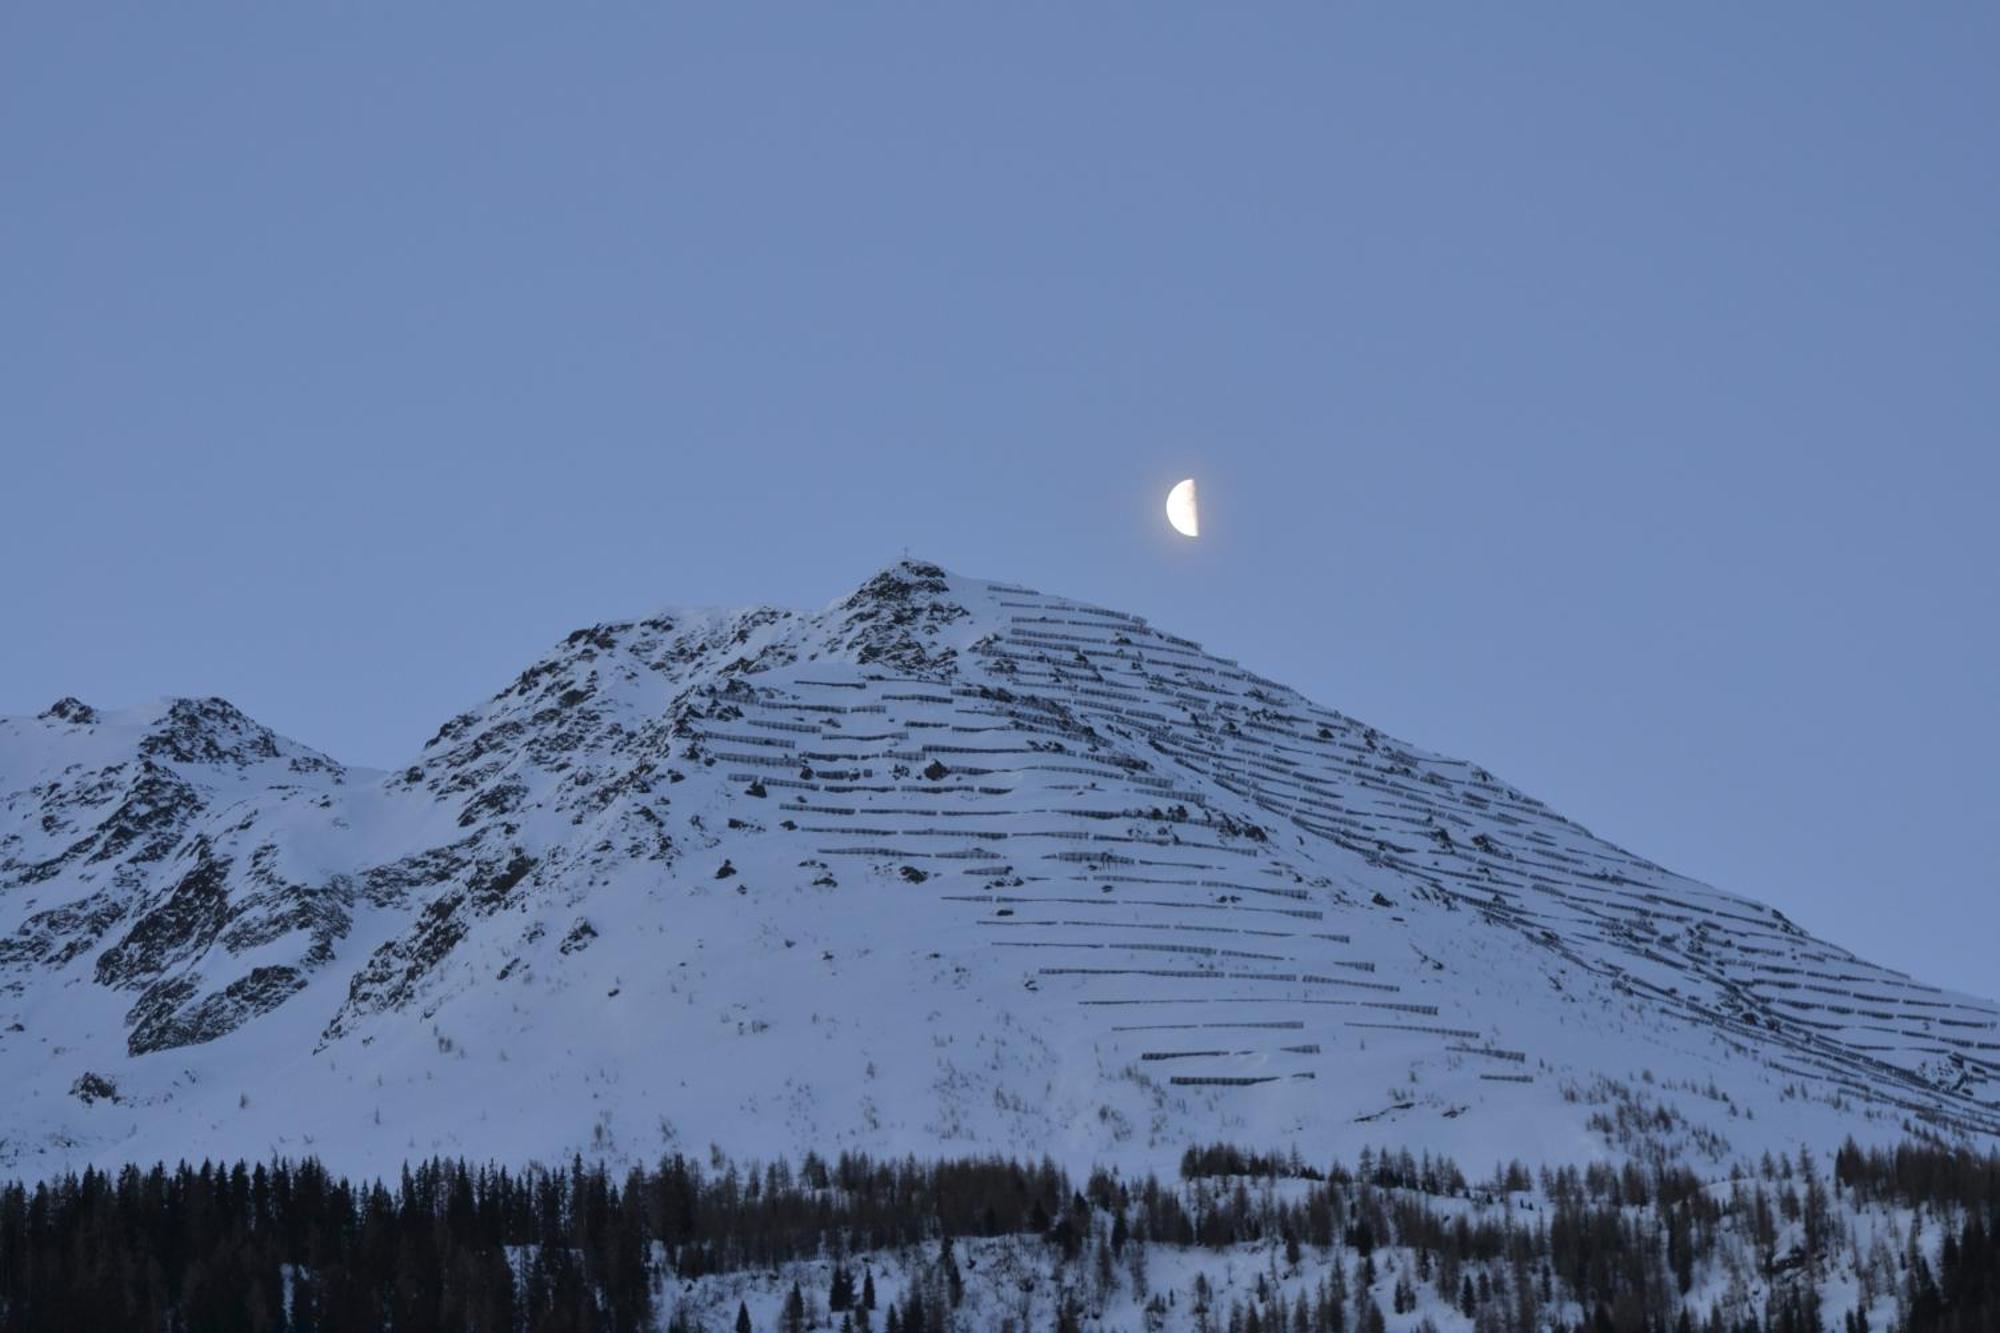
column 69, row 709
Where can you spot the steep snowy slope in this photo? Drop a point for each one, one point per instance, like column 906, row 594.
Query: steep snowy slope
column 949, row 866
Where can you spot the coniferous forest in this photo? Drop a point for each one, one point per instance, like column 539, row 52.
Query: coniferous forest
column 1391, row 1241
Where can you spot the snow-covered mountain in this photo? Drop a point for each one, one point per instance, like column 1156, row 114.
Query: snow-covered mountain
column 951, row 866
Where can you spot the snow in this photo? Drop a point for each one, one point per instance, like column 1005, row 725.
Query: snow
column 1021, row 1281
column 1144, row 899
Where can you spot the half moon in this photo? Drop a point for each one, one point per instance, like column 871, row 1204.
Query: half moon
column 1181, row 510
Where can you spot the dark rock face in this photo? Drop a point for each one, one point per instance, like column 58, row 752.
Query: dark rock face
column 164, row 1019
column 394, row 973
column 208, row 731
column 182, row 925
column 150, row 1022
column 124, row 815
column 71, row 710
column 56, row 936
column 394, row 884
column 320, row 913
column 152, row 819
column 215, row 733
column 895, row 619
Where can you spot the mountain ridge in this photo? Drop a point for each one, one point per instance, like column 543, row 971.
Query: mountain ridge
column 1036, row 817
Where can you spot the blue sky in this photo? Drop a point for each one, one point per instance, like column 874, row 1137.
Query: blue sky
column 1604, row 395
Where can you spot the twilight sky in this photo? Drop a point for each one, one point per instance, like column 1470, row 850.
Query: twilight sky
column 1609, row 397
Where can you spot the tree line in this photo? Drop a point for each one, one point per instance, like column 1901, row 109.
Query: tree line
column 288, row 1247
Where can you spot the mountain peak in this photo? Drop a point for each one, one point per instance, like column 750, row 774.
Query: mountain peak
column 69, row 709
column 213, row 732
column 902, row 618
column 902, row 580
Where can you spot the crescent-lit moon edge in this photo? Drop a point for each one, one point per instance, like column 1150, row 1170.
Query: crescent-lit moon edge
column 1182, row 509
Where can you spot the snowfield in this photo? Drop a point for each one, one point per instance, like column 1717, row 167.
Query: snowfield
column 949, row 867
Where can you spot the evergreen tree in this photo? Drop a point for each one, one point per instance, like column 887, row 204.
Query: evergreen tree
column 954, row 1282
